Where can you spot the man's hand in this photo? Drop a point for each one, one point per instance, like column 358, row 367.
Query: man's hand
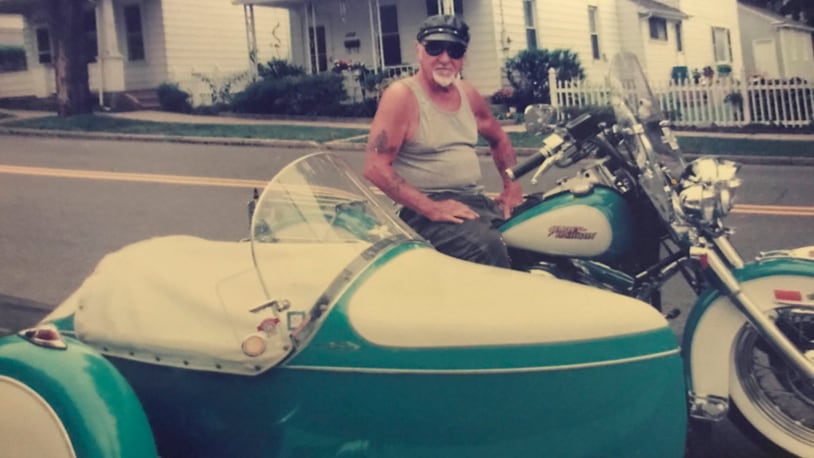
column 511, row 197
column 451, row 211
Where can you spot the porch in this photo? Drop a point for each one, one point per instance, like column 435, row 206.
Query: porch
column 361, row 33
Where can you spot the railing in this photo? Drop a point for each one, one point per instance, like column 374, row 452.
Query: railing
column 370, row 83
column 721, row 102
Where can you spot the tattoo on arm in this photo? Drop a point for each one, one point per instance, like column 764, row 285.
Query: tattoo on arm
column 393, row 186
column 381, row 145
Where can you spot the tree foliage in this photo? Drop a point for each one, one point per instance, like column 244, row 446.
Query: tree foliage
column 528, row 73
column 800, row 10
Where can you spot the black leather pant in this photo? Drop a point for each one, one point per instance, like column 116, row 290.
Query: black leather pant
column 476, row 240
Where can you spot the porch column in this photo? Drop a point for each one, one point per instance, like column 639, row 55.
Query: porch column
column 373, row 46
column 110, row 59
column 251, row 39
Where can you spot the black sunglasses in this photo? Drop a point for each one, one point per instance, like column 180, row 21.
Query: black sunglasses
column 435, row 48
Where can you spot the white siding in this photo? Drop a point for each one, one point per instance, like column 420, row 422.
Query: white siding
column 15, row 84
column 508, row 34
column 152, row 71
column 484, row 62
column 753, row 27
column 798, row 57
column 564, row 25
column 698, row 32
column 208, row 37
column 660, row 55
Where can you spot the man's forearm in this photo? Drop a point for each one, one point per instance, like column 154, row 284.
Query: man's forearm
column 396, row 188
column 504, row 156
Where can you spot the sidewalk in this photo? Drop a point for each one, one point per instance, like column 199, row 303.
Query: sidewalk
column 181, row 118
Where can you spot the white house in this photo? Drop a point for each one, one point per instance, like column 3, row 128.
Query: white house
column 775, row 46
column 11, row 30
column 381, row 33
column 146, row 42
column 140, row 44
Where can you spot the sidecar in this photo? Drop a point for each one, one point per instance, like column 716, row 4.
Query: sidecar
column 336, row 331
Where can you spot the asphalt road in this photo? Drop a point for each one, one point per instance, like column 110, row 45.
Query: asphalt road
column 65, row 203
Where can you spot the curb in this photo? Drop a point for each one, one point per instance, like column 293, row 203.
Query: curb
column 341, row 144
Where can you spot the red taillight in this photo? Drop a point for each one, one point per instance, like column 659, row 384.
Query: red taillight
column 788, row 295
column 47, row 334
column 703, row 260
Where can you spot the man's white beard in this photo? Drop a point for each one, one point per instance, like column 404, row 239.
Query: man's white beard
column 443, row 80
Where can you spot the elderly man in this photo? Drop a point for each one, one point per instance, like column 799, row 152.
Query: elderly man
column 421, row 150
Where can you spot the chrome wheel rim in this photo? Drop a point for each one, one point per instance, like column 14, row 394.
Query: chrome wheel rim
column 770, row 384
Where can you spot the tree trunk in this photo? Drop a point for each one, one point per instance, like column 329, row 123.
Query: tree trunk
column 70, row 60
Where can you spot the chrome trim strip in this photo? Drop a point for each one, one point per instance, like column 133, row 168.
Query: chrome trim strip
column 485, row 371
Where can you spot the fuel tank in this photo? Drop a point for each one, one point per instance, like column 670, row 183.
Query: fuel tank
column 595, row 224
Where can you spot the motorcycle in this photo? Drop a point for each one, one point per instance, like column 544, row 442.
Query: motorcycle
column 634, row 216
column 336, row 331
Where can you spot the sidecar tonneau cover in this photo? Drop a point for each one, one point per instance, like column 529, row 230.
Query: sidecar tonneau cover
column 187, row 302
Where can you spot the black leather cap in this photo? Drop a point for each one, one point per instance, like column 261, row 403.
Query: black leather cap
column 444, row 27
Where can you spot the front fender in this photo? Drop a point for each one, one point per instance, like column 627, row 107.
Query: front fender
column 714, row 320
column 72, row 402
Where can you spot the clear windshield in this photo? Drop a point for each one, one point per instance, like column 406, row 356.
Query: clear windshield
column 651, row 144
column 635, row 104
column 319, row 200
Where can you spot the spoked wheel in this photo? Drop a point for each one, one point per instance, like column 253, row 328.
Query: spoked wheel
column 772, row 396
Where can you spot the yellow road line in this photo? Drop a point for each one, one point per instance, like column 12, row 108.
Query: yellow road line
column 748, row 209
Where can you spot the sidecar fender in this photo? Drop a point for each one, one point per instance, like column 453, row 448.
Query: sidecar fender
column 714, row 322
column 67, row 403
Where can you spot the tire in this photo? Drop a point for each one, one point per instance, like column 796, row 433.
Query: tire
column 769, row 396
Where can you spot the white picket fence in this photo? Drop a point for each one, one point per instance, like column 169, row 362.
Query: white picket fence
column 719, row 102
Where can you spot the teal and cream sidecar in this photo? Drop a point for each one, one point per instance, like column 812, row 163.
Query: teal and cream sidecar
column 336, row 331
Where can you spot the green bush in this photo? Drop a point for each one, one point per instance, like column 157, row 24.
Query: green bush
column 173, row 98
column 12, row 59
column 312, row 95
column 279, row 68
column 528, row 73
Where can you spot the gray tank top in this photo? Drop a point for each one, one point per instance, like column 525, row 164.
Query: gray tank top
column 441, row 157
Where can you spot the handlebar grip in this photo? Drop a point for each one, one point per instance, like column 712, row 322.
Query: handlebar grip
column 525, row 167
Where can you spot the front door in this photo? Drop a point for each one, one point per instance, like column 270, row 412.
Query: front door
column 391, row 43
column 319, row 54
column 766, row 58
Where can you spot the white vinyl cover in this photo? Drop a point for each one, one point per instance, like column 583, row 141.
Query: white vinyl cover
column 435, row 300
column 185, row 301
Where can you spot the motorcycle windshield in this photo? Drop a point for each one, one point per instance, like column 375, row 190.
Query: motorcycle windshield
column 651, row 144
column 635, row 104
column 316, row 204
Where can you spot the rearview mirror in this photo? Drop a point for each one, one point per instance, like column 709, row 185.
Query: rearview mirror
column 539, row 118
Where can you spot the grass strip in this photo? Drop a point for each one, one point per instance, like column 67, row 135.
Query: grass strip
column 746, row 146
column 93, row 123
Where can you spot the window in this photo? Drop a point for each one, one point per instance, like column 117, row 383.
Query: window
column 135, row 38
column 434, row 7
column 593, row 21
column 679, row 38
column 658, row 28
column 43, row 46
column 721, row 46
column 531, row 31
column 91, row 46
column 391, row 43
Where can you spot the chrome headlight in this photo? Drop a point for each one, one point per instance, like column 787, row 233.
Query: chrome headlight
column 707, row 189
